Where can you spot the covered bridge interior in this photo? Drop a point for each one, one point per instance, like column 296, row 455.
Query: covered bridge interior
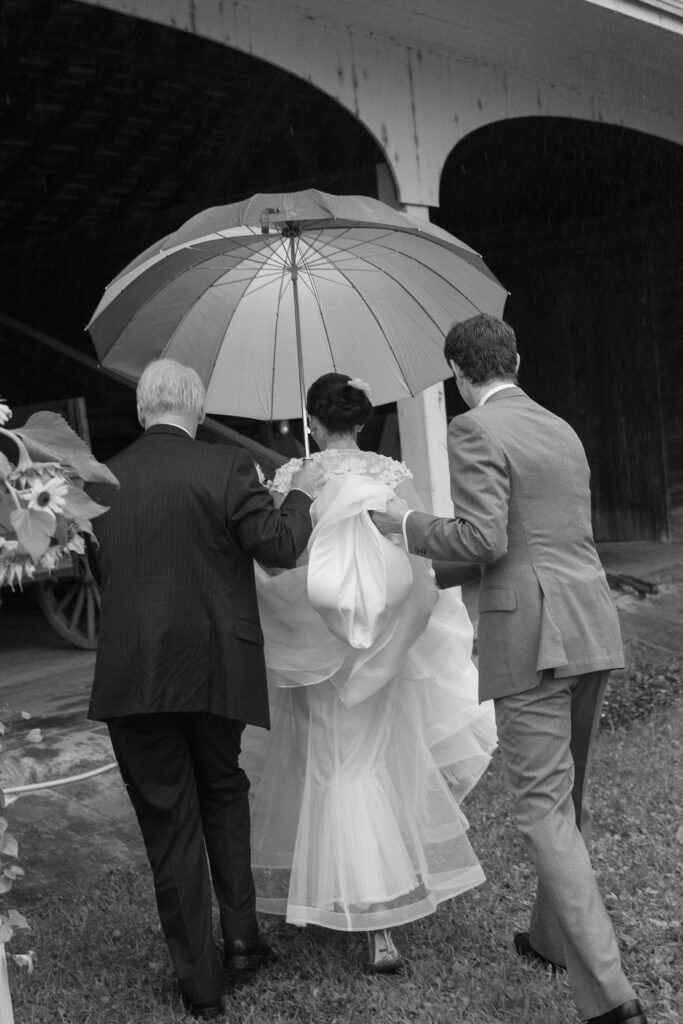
column 115, row 130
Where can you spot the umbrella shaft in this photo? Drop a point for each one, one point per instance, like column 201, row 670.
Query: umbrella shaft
column 299, row 350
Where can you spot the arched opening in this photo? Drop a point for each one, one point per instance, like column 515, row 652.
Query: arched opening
column 582, row 223
column 114, row 131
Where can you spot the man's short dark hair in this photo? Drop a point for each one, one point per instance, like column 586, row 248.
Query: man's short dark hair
column 484, row 348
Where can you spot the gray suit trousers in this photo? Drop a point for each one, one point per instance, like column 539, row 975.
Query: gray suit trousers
column 545, row 736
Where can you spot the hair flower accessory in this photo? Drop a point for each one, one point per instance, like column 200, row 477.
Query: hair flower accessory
column 360, row 385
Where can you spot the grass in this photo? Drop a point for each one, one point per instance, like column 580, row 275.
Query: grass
column 651, row 681
column 102, row 959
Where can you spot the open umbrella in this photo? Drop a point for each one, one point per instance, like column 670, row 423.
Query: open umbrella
column 263, row 296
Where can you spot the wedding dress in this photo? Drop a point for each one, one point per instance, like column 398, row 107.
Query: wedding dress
column 376, row 731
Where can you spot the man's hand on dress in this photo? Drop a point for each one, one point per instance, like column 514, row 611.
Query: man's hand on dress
column 391, row 521
column 310, row 479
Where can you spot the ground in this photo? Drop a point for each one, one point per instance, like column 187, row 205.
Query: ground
column 89, row 900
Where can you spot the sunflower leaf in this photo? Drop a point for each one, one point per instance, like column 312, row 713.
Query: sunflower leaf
column 49, row 438
column 34, row 530
column 79, row 506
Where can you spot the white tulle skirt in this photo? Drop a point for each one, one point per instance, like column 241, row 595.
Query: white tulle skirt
column 356, row 823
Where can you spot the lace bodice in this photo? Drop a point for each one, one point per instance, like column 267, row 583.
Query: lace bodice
column 335, row 461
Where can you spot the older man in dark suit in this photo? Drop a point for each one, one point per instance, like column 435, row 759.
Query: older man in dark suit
column 548, row 637
column 180, row 667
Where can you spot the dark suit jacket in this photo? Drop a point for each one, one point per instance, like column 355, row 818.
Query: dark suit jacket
column 521, row 494
column 180, row 628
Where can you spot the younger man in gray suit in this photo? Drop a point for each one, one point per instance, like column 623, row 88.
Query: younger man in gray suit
column 548, row 637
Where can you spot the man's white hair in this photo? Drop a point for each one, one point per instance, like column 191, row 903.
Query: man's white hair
column 169, row 386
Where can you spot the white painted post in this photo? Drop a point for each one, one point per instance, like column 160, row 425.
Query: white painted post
column 422, row 429
column 421, row 420
column 6, row 1014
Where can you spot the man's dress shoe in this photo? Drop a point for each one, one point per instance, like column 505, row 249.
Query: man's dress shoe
column 628, row 1013
column 248, row 954
column 527, row 951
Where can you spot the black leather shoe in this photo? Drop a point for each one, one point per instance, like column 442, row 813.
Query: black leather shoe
column 248, row 954
column 628, row 1013
column 527, row 951
column 206, row 1011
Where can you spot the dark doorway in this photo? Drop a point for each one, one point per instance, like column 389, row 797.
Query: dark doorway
column 113, row 131
column 582, row 223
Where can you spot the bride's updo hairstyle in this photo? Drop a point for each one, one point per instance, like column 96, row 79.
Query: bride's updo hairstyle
column 337, row 404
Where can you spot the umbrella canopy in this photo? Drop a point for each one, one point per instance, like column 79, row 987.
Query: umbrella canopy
column 262, row 297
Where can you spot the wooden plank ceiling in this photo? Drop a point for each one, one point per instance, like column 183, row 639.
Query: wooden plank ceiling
column 105, row 118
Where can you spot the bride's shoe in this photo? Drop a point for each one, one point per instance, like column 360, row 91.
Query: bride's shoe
column 384, row 957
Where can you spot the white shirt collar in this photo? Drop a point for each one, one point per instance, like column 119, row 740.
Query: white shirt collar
column 168, row 423
column 498, row 387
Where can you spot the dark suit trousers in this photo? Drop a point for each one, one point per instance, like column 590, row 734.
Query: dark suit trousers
column 191, row 799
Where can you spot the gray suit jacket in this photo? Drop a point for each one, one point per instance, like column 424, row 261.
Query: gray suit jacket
column 520, row 485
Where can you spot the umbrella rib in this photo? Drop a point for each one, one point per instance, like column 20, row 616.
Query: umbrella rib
column 375, row 318
column 226, row 325
column 249, row 278
column 185, row 316
column 169, row 280
column 461, row 249
column 382, row 270
column 340, row 270
column 264, row 279
column 266, row 276
column 252, row 252
column 413, row 259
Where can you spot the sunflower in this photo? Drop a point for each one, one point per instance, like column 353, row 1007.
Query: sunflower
column 48, row 496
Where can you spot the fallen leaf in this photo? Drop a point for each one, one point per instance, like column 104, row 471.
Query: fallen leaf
column 24, row 959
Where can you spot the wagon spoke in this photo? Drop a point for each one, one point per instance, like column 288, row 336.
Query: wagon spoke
column 71, row 593
column 71, row 604
column 77, row 608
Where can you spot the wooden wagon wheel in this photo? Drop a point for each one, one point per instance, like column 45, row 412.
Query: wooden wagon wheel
column 71, row 604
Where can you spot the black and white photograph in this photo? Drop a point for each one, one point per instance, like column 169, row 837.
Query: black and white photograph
column 341, row 511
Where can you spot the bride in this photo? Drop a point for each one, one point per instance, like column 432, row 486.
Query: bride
column 376, row 731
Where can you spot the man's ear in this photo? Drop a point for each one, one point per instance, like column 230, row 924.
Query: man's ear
column 457, row 372
column 141, row 418
column 519, row 359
